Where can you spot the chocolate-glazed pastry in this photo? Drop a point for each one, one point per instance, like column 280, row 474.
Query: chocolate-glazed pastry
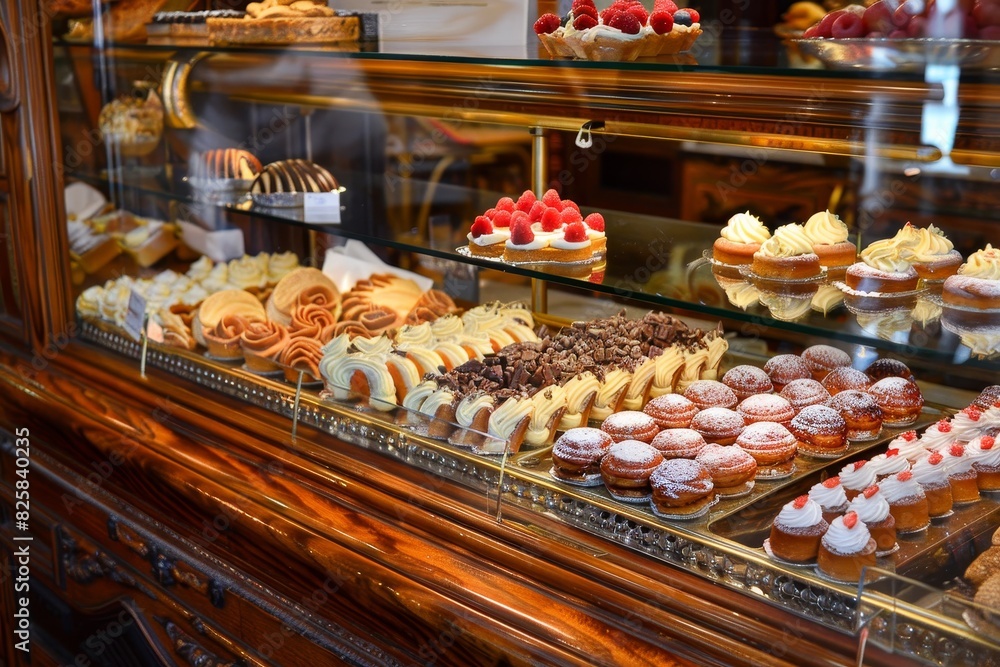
column 285, row 183
column 224, row 165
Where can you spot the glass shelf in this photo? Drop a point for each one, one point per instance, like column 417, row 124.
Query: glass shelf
column 659, row 262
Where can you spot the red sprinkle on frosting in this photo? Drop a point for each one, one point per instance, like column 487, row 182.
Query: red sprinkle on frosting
column 909, row 436
column 973, row 413
column 831, row 482
column 800, row 502
column 850, row 520
column 904, row 476
column 944, row 426
column 871, row 491
column 935, row 458
column 858, row 465
column 891, row 452
column 956, row 449
column 986, row 442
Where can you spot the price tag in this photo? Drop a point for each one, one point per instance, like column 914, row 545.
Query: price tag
column 322, row 207
column 135, row 317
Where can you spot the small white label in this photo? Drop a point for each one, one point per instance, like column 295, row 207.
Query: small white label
column 135, row 315
column 322, row 207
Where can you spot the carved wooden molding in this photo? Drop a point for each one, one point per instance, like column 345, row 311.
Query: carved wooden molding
column 190, row 650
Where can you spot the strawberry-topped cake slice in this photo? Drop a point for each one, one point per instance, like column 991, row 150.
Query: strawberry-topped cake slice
column 523, row 244
column 487, row 238
column 574, row 245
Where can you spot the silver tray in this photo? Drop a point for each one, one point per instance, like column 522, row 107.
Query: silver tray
column 902, row 54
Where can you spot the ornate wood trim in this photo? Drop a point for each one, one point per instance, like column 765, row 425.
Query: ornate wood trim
column 190, row 650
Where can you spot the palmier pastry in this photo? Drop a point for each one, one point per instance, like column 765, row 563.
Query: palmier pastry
column 802, row 393
column 577, row 454
column 797, row 530
column 785, row 368
column 843, row 379
column 766, row 408
column 679, row 443
column 885, row 367
column 630, row 425
column 899, row 399
column 824, row 358
column 860, row 411
column 719, row 425
column 746, row 380
column 681, row 488
column 820, row 430
column 671, row 411
column 626, row 468
column 731, row 468
column 710, row 394
column 772, row 446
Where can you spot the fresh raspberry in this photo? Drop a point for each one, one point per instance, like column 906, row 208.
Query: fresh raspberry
column 850, row 520
column 661, row 22
column 973, row 413
column 889, row 453
column 800, row 502
column 668, row 6
column 595, row 221
column 520, row 233
column 584, row 22
column 858, row 465
column 518, row 216
column 568, row 203
column 481, row 226
column 683, row 17
column 585, row 10
column 639, row 12
column 871, row 491
column 956, row 449
column 832, row 482
column 551, row 198
column 609, row 14
column 577, row 4
column 525, row 201
column 570, row 215
column 935, row 458
column 501, row 219
column 625, row 22
column 535, row 213
column 909, row 436
column 695, row 15
column 490, row 213
column 505, row 204
column 905, row 476
column 551, row 220
column 944, row 426
column 546, row 24
column 576, row 232
column 987, row 442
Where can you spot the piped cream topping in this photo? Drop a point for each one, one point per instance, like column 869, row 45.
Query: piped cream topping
column 788, row 241
column 983, row 264
column 745, row 228
column 825, row 228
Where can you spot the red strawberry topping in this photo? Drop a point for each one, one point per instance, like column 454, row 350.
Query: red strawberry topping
column 909, row 436
column 800, row 502
column 577, row 4
column 501, row 219
column 595, row 221
column 625, row 22
column 547, row 23
column 956, row 449
column 889, row 453
column 904, row 476
column 505, row 204
column 525, row 201
column 871, row 491
column 584, row 22
column 944, row 426
column 520, row 233
column 831, row 482
column 569, row 215
column 695, row 16
column 518, row 216
column 935, row 458
column 858, row 465
column 551, row 221
column 668, row 6
column 639, row 12
column 609, row 13
column 986, row 442
column 568, row 203
column 661, row 22
column 551, row 198
column 535, row 213
column 973, row 413
column 850, row 520
column 576, row 232
column 481, row 226
column 490, row 213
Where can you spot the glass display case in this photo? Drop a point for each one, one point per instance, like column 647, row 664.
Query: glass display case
column 184, row 161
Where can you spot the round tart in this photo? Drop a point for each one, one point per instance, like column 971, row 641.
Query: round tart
column 772, row 446
column 681, row 488
column 766, row 408
column 718, row 425
column 671, row 411
column 899, row 399
column 577, row 455
column 731, row 468
column 803, row 393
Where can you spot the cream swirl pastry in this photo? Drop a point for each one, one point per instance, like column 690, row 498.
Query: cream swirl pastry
column 794, row 516
column 984, row 452
column 825, row 228
column 512, row 415
column 829, row 494
column 788, row 241
column 200, row 268
column 615, row 382
column 930, row 471
column 745, row 228
column 870, row 508
column 890, row 463
column 857, row 476
column 88, row 304
column 956, row 460
column 846, row 537
column 885, row 255
column 581, row 390
column 901, row 487
column 280, row 264
column 246, row 273
column 968, row 424
column 937, row 435
column 909, row 447
column 983, row 264
column 668, row 367
column 929, row 245
column 548, row 405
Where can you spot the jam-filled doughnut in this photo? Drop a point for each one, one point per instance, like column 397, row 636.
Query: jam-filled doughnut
column 577, row 454
column 630, row 425
column 719, row 425
column 671, row 411
column 626, row 468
